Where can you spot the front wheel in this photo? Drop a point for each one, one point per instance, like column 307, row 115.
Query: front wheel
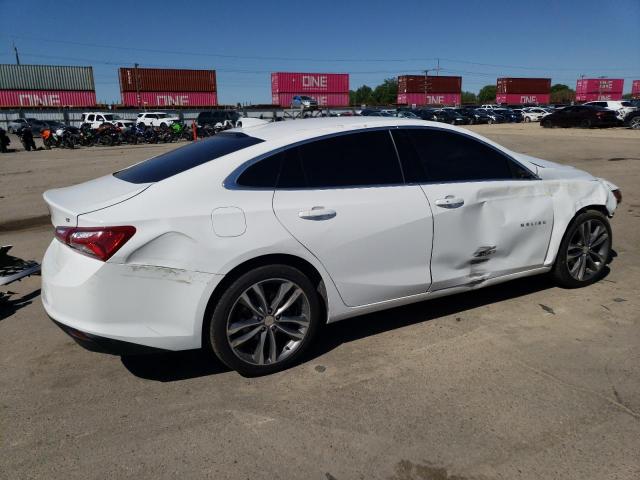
column 584, row 251
column 265, row 320
column 527, row 120
column 635, row 123
column 586, row 123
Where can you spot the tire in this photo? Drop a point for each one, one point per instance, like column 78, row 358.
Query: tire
column 247, row 357
column 580, row 263
column 634, row 123
column 490, row 121
column 586, row 123
column 163, row 125
column 546, row 124
column 527, row 120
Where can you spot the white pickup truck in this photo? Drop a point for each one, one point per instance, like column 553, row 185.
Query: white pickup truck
column 156, row 119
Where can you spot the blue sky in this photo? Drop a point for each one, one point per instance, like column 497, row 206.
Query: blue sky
column 371, row 40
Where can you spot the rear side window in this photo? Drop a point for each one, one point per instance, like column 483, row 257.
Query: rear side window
column 439, row 156
column 262, row 174
column 185, row 158
column 355, row 159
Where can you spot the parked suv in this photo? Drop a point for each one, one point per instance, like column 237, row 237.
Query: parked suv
column 156, row 119
column 95, row 119
column 218, row 118
column 304, row 102
column 622, row 108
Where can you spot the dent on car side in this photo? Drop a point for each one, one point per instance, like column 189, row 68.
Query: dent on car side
column 184, row 245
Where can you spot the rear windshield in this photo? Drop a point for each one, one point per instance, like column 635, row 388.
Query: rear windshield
column 182, row 159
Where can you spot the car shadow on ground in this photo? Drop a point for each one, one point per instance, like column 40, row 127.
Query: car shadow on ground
column 9, row 306
column 174, row 366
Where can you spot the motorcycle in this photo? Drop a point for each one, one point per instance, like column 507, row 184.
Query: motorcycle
column 108, row 134
column 63, row 137
column 25, row 134
column 4, row 141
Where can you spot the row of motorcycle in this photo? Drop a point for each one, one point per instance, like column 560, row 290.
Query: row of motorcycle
column 109, row 134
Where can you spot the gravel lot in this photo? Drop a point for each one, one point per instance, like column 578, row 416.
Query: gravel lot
column 519, row 381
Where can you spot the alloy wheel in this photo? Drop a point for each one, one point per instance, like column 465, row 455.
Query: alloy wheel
column 588, row 250
column 268, row 322
column 635, row 123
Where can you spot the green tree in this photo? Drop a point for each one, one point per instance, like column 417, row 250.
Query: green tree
column 386, row 93
column 487, row 94
column 627, row 96
column 362, row 96
column 469, row 97
column 561, row 93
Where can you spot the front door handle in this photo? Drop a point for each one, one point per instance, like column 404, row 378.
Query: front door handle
column 450, row 202
column 317, row 213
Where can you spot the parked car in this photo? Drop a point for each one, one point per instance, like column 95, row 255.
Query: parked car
column 632, row 120
column 219, row 119
column 247, row 242
column 475, row 115
column 584, row 116
column 19, row 123
column 303, row 101
column 371, row 112
column 494, row 117
column 95, row 119
column 534, row 114
column 622, row 108
column 451, row 116
column 509, row 115
column 156, row 119
column 406, row 114
column 490, row 106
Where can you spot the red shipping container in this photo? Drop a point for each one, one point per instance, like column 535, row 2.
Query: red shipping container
column 523, row 99
column 299, row 83
column 594, row 96
column 430, row 84
column 599, row 85
column 170, row 99
column 635, row 89
column 167, row 80
column 428, row 99
column 323, row 99
column 47, row 98
column 523, row 85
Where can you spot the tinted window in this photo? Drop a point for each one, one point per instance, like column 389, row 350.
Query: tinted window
column 440, row 156
column 181, row 159
column 364, row 158
column 263, row 174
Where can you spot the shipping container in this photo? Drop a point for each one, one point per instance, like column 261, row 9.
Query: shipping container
column 170, row 99
column 595, row 96
column 421, row 99
column 167, row 80
column 323, row 99
column 523, row 85
column 635, row 89
column 46, row 77
column 47, row 98
column 600, row 85
column 429, row 84
column 523, row 99
column 299, row 83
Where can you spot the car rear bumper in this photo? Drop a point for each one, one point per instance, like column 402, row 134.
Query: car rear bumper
column 144, row 305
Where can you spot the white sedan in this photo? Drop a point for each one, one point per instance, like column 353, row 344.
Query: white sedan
column 247, row 242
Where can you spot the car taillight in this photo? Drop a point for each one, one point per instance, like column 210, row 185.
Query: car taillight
column 618, row 195
column 95, row 242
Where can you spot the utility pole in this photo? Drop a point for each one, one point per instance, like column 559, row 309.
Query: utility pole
column 15, row 49
column 438, row 68
column 137, row 84
column 426, row 79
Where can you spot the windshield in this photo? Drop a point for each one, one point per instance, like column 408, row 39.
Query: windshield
column 162, row 115
column 182, row 159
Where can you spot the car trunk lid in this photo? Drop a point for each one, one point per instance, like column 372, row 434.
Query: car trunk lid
column 66, row 204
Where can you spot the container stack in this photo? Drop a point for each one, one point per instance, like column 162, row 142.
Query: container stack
column 46, row 86
column 164, row 87
column 594, row 89
column 635, row 89
column 328, row 89
column 523, row 91
column 428, row 90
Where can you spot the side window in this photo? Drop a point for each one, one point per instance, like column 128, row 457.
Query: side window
column 439, row 156
column 355, row 159
column 262, row 174
column 90, row 118
column 99, row 118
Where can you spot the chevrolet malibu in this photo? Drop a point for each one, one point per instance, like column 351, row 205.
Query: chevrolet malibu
column 246, row 243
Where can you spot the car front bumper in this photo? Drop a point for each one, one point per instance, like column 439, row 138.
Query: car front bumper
column 102, row 303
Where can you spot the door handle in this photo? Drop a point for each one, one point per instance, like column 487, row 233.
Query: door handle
column 450, row 202
column 317, row 213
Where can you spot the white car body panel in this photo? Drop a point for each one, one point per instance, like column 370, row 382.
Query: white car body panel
column 194, row 228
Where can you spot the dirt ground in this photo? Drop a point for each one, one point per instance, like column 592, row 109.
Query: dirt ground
column 519, row 381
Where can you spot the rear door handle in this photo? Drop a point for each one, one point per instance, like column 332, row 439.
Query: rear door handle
column 317, row 213
column 450, row 202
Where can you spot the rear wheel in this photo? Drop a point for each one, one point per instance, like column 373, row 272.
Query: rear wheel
column 584, row 251
column 546, row 123
column 265, row 320
column 586, row 123
column 527, row 120
column 635, row 123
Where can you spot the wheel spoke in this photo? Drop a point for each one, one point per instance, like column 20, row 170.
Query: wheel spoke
column 257, row 288
column 600, row 240
column 594, row 234
column 574, row 269
column 240, row 324
column 583, row 266
column 245, row 337
column 258, row 354
column 584, row 232
column 575, row 254
column 292, row 298
column 273, row 352
column 246, row 301
column 299, row 320
column 282, row 291
column 291, row 333
column 595, row 254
